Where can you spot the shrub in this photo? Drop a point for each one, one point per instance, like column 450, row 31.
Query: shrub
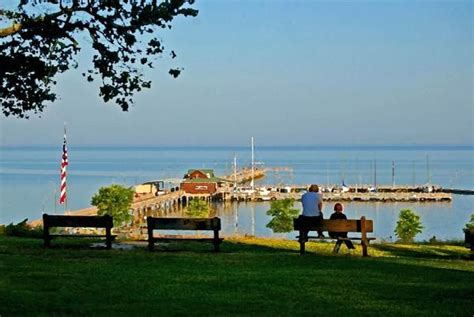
column 116, row 201
column 283, row 214
column 22, row 229
column 197, row 208
column 470, row 224
column 408, row 226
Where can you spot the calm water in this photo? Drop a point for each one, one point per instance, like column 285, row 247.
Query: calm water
column 29, row 179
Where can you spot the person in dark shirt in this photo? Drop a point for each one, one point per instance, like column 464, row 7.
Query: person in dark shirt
column 339, row 214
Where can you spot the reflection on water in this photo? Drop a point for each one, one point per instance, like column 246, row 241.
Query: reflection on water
column 443, row 220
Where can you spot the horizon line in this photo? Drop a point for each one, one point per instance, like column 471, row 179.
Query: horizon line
column 333, row 146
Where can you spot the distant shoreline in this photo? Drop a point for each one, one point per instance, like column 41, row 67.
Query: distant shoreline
column 421, row 147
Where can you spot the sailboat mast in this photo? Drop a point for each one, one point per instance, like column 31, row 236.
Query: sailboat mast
column 428, row 176
column 253, row 167
column 375, row 172
column 327, row 174
column 393, row 173
column 235, row 170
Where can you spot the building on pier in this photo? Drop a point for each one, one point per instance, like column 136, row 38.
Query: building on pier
column 155, row 188
column 201, row 181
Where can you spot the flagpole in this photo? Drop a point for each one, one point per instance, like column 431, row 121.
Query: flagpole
column 65, row 202
column 64, row 163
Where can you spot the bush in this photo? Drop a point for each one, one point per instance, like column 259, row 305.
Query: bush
column 408, row 226
column 22, row 229
column 116, row 201
column 283, row 214
column 470, row 224
column 197, row 208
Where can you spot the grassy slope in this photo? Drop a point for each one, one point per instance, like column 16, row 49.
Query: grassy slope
column 250, row 276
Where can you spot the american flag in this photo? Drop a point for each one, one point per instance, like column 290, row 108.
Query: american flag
column 64, row 164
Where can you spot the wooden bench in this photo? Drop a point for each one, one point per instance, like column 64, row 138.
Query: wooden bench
column 209, row 224
column 78, row 222
column 304, row 225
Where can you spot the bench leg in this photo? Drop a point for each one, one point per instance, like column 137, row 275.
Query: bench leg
column 364, row 247
column 216, row 241
column 302, row 241
column 364, row 240
column 47, row 242
column 46, row 237
column 337, row 246
column 151, row 244
column 151, row 239
column 108, row 238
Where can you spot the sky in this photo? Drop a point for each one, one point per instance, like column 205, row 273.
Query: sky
column 287, row 73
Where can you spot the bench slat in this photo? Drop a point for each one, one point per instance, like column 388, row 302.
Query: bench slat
column 184, row 223
column 78, row 221
column 350, row 225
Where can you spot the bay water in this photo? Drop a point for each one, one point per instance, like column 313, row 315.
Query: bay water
column 29, row 179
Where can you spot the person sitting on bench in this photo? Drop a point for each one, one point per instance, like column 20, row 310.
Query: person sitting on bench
column 312, row 202
column 339, row 214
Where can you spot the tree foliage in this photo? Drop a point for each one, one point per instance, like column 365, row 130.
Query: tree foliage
column 116, row 201
column 282, row 213
column 44, row 36
column 470, row 224
column 22, row 229
column 197, row 208
column 408, row 226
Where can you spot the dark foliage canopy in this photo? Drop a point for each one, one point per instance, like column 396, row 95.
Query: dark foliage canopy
column 42, row 38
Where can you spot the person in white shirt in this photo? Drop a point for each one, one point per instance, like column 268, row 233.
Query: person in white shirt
column 312, row 202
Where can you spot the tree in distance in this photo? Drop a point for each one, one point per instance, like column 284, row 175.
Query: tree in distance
column 282, row 213
column 197, row 208
column 408, row 226
column 43, row 37
column 470, row 224
column 116, row 201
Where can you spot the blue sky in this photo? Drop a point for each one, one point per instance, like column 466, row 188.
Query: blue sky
column 288, row 73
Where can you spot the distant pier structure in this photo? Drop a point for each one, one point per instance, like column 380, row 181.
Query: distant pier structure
column 361, row 193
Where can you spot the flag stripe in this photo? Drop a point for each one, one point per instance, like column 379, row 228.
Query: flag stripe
column 64, row 164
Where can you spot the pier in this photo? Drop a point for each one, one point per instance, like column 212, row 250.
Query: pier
column 458, row 191
column 245, row 175
column 360, row 197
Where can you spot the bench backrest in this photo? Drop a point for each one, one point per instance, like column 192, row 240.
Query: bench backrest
column 349, row 225
column 77, row 221
column 184, row 223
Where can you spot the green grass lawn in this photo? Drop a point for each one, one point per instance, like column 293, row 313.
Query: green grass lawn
column 249, row 276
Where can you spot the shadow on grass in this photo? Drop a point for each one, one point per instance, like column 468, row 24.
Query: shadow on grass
column 245, row 245
column 424, row 251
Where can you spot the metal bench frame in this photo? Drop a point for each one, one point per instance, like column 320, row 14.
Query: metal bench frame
column 51, row 221
column 206, row 224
